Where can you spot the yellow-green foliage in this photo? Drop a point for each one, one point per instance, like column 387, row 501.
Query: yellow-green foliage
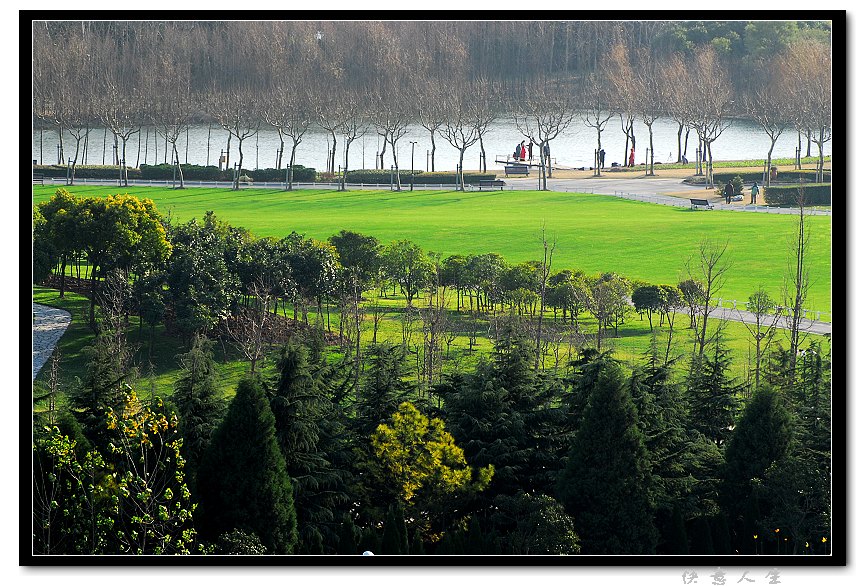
column 419, row 453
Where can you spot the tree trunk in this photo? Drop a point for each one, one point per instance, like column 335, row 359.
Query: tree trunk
column 179, row 168
column 460, row 170
column 290, row 182
column 123, row 165
column 333, row 152
column 687, row 134
column 679, row 140
column 138, row 155
column 345, row 166
column 239, row 163
column 227, row 150
column 432, row 136
column 104, row 143
column 281, row 148
column 483, row 157
column 207, row 156
column 61, row 154
column 62, row 276
column 395, row 164
column 651, row 161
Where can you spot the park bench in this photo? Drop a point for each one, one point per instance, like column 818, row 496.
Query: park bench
column 491, row 183
column 39, row 178
column 698, row 203
column 516, row 170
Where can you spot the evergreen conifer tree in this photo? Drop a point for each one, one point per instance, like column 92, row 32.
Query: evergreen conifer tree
column 242, row 480
column 503, row 415
column 308, row 430
column 603, row 485
column 199, row 407
column 712, row 394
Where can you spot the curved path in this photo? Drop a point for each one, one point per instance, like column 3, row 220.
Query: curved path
column 49, row 323
column 650, row 189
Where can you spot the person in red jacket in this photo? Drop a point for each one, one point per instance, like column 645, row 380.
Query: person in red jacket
column 523, row 151
column 631, row 158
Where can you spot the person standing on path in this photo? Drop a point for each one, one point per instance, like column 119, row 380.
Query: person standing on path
column 523, row 151
column 530, row 150
column 601, row 154
column 728, row 191
column 755, row 190
column 631, row 158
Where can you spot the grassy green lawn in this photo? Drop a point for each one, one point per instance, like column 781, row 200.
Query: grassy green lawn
column 594, row 233
column 159, row 370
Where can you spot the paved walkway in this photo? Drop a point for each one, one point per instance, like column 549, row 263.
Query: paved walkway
column 648, row 189
column 49, row 323
column 807, row 325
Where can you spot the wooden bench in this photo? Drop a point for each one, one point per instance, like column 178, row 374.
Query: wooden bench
column 516, row 169
column 39, row 178
column 491, row 183
column 698, row 203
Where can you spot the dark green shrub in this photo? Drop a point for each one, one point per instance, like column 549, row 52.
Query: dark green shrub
column 420, row 178
column 787, row 195
column 748, row 177
column 190, row 172
column 86, row 171
column 301, row 173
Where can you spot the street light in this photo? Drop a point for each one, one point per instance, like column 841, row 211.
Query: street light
column 413, row 142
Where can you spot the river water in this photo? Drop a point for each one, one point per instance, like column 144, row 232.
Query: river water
column 573, row 148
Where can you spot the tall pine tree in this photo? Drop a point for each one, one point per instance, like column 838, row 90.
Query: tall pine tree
column 712, row 394
column 199, row 406
column 603, row 485
column 308, row 430
column 242, row 480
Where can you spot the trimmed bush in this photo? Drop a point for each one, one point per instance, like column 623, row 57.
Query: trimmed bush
column 86, row 171
column 786, row 195
column 190, row 172
column 301, row 173
column 164, row 172
column 420, row 178
column 748, row 177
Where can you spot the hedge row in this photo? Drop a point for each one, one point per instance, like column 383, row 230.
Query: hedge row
column 787, row 195
column 86, row 171
column 166, row 171
column 211, row 173
column 420, row 178
column 749, row 177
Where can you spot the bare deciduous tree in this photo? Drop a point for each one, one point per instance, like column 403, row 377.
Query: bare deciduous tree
column 624, row 90
column 766, row 313
column 595, row 100
column 541, row 114
column 797, row 281
column 769, row 105
column 460, row 128
column 429, row 98
column 674, row 89
column 709, row 271
column 709, row 94
column 236, row 111
column 119, row 109
column 650, row 99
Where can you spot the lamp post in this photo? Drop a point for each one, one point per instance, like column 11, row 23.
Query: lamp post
column 413, row 142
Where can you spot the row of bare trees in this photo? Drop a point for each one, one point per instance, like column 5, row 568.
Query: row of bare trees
column 111, row 77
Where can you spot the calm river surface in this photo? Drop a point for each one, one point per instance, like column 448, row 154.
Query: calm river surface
column 573, row 148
